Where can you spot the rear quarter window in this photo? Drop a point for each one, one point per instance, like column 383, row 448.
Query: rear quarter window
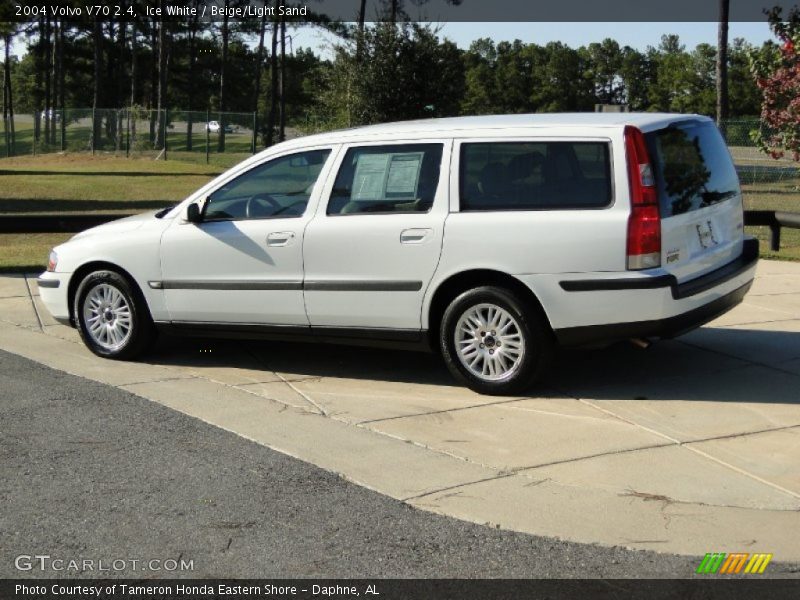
column 534, row 175
column 692, row 167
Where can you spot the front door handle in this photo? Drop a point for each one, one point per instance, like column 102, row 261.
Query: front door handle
column 414, row 236
column 280, row 238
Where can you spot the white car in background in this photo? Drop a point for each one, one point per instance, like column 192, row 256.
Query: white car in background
column 490, row 240
column 214, row 127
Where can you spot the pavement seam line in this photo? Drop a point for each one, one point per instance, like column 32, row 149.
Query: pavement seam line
column 33, row 303
column 521, row 470
column 122, row 385
column 700, row 452
column 440, row 412
column 741, row 471
column 501, row 475
column 299, row 392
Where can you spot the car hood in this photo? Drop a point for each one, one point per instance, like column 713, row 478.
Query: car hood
column 120, row 225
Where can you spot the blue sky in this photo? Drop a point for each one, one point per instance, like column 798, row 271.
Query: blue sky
column 636, row 35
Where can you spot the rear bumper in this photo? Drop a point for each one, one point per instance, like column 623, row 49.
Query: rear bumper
column 682, row 306
column 659, row 328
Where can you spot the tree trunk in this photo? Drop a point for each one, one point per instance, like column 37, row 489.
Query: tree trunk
column 133, row 81
column 282, row 126
column 48, row 81
column 190, row 82
column 362, row 16
column 393, row 16
column 722, row 64
column 273, row 76
column 259, row 61
column 61, row 77
column 153, row 78
column 162, row 79
column 10, row 97
column 109, row 98
column 96, row 96
column 122, row 34
column 225, row 32
column 6, row 132
column 38, row 92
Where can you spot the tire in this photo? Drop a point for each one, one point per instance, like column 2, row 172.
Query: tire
column 112, row 317
column 491, row 362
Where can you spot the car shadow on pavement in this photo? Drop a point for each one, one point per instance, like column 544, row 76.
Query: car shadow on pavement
column 303, row 358
column 711, row 364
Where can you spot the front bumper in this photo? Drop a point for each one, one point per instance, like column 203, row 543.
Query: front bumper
column 53, row 293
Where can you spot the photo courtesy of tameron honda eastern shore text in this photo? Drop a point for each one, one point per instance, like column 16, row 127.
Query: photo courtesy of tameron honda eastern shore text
column 488, row 239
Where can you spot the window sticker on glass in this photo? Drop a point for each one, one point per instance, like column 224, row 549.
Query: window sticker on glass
column 382, row 176
column 404, row 174
column 368, row 182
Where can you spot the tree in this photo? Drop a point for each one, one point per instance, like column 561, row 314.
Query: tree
column 777, row 71
column 225, row 40
column 636, row 72
column 273, row 73
column 400, row 61
column 8, row 31
column 163, row 66
column 480, row 63
column 722, row 62
column 97, row 39
column 605, row 63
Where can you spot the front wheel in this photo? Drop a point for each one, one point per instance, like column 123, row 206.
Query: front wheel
column 111, row 317
column 493, row 342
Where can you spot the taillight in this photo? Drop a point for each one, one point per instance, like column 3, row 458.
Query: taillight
column 644, row 223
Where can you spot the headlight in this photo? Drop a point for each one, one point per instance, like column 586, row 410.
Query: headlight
column 52, row 261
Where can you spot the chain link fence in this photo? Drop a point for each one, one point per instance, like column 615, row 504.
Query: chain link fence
column 767, row 183
column 132, row 132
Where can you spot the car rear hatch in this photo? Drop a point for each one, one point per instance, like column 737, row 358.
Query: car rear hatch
column 700, row 200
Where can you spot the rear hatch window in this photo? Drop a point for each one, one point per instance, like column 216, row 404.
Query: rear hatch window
column 693, row 167
column 700, row 198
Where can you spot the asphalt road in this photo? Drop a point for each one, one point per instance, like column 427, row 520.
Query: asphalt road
column 91, row 472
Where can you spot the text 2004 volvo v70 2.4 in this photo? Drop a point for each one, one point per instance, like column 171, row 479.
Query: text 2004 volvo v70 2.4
column 489, row 239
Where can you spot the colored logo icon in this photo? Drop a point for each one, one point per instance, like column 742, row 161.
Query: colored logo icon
column 734, row 563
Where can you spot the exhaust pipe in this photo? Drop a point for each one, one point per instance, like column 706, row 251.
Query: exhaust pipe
column 642, row 343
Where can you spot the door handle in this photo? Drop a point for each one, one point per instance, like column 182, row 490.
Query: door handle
column 414, row 236
column 280, row 238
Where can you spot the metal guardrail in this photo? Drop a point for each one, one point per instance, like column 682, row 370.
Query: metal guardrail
column 774, row 219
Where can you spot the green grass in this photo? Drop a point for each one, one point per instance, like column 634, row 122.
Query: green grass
column 27, row 252
column 80, row 183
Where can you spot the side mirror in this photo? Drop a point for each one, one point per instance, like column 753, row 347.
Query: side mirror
column 193, row 213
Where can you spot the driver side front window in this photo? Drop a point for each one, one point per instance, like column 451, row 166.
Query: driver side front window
column 278, row 188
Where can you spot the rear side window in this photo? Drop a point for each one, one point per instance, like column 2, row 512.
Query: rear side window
column 534, row 175
column 693, row 168
column 399, row 178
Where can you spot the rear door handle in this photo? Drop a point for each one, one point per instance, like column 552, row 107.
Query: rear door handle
column 414, row 236
column 280, row 238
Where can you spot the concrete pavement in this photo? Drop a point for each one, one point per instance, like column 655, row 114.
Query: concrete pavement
column 691, row 446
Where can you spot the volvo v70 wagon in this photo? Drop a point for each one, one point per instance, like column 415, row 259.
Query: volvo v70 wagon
column 488, row 239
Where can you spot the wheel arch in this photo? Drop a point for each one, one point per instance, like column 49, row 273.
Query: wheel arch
column 460, row 282
column 99, row 265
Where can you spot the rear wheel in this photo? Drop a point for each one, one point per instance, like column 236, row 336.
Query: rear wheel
column 111, row 316
column 493, row 342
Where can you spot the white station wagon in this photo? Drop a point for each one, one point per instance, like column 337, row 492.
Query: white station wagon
column 488, row 239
